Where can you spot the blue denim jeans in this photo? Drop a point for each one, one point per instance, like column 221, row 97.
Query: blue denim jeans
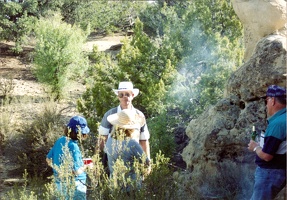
column 79, row 193
column 268, row 183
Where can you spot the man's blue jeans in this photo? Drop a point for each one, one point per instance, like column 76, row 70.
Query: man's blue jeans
column 268, row 183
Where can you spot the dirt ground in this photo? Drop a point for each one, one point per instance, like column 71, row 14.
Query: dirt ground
column 15, row 72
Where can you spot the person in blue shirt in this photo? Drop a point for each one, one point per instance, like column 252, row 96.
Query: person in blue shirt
column 270, row 174
column 66, row 160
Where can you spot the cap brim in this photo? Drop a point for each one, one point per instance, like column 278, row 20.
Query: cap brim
column 85, row 130
column 135, row 91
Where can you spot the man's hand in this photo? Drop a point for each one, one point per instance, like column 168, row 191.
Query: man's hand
column 252, row 144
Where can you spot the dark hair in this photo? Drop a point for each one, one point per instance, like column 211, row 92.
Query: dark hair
column 281, row 99
column 71, row 134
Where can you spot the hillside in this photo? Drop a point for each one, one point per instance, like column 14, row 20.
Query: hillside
column 28, row 98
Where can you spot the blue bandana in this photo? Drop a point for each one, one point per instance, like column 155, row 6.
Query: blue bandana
column 275, row 91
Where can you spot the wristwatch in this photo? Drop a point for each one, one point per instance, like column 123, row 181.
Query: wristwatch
column 255, row 148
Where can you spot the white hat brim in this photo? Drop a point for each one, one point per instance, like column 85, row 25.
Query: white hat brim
column 135, row 91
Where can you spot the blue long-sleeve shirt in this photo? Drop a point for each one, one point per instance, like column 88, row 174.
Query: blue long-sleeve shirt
column 57, row 154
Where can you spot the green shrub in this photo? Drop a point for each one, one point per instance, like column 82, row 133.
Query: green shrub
column 22, row 192
column 6, row 123
column 6, row 88
column 162, row 137
column 142, row 61
column 58, row 56
column 39, row 137
column 16, row 22
column 99, row 96
column 107, row 16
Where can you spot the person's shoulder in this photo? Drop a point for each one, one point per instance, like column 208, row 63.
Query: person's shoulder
column 281, row 116
column 133, row 142
column 73, row 144
column 61, row 139
column 111, row 111
column 139, row 112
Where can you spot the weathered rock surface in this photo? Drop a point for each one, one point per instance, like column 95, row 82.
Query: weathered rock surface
column 260, row 18
column 221, row 133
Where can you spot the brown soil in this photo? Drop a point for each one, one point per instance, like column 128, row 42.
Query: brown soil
column 16, row 72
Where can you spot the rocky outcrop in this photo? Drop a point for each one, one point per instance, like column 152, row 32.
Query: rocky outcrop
column 221, row 133
column 260, row 18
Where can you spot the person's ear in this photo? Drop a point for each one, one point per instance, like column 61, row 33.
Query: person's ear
column 273, row 101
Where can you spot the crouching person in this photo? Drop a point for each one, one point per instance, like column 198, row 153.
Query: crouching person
column 66, row 160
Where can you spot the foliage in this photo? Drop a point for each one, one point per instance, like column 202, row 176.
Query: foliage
column 17, row 18
column 160, row 184
column 179, row 57
column 204, row 72
column 99, row 96
column 140, row 61
column 100, row 186
column 180, row 70
column 162, row 139
column 6, row 118
column 6, row 88
column 150, row 66
column 16, row 22
column 39, row 137
column 205, row 37
column 23, row 192
column 106, row 16
column 58, row 54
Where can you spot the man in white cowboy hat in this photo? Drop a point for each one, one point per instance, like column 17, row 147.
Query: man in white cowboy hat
column 125, row 93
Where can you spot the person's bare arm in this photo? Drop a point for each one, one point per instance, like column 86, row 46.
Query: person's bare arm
column 146, row 148
column 101, row 143
column 145, row 145
column 264, row 156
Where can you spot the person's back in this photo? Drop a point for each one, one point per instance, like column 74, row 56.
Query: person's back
column 122, row 148
column 128, row 150
column 66, row 160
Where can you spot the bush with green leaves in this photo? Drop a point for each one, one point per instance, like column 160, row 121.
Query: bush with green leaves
column 146, row 64
column 100, row 186
column 206, row 38
column 181, row 70
column 99, row 96
column 16, row 22
column 151, row 67
column 58, row 56
column 162, row 139
column 107, row 16
column 39, row 137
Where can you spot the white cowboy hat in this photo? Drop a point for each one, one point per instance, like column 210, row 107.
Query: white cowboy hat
column 127, row 119
column 126, row 86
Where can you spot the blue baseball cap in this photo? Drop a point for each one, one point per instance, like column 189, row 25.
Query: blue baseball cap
column 77, row 122
column 275, row 91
